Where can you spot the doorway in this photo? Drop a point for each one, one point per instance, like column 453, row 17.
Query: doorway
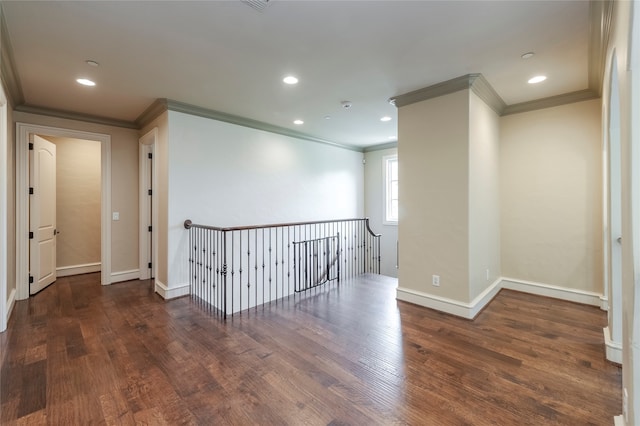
column 24, row 133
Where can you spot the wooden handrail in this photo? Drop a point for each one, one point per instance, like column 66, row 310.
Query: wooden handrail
column 188, row 224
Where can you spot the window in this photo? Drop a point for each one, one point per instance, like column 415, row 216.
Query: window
column 390, row 167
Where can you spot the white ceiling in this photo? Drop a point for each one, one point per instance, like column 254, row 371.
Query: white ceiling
column 229, row 57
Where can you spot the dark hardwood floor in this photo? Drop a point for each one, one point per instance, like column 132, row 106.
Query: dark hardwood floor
column 79, row 353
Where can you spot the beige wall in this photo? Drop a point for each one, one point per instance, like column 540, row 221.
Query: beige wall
column 484, row 196
column 78, row 201
column 374, row 208
column 433, row 159
column 124, row 184
column 551, row 188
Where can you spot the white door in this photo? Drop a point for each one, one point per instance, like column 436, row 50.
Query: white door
column 42, row 214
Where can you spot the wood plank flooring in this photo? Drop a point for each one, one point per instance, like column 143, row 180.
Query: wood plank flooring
column 79, row 353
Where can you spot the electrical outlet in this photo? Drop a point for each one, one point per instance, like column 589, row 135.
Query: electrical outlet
column 435, row 280
column 116, row 215
column 487, row 274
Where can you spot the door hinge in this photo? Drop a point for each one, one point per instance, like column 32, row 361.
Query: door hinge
column 149, row 228
column 30, row 190
column 150, row 192
column 149, row 156
column 30, row 235
column 30, row 146
column 30, row 279
column 149, row 265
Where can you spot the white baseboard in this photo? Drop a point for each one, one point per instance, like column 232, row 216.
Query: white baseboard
column 604, row 303
column 613, row 349
column 450, row 306
column 11, row 301
column 117, row 277
column 470, row 310
column 87, row 268
column 556, row 292
column 173, row 292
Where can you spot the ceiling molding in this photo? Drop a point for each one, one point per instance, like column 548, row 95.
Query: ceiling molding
column 30, row 109
column 600, row 18
column 434, row 91
column 154, row 110
column 481, row 87
column 552, row 101
column 476, row 82
column 8, row 72
column 381, row 146
column 248, row 122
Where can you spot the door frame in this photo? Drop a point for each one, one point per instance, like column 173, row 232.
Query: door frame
column 148, row 145
column 5, row 300
column 23, row 130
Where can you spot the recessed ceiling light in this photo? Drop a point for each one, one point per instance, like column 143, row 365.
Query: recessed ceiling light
column 527, row 55
column 85, row 82
column 537, row 79
column 327, row 117
column 92, row 63
column 298, row 122
column 290, row 80
column 385, row 118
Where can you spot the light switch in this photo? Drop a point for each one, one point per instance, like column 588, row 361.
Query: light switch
column 116, row 215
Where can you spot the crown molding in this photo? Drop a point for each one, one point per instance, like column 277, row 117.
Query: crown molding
column 248, row 122
column 380, row 147
column 476, row 82
column 552, row 101
column 600, row 19
column 154, row 110
column 31, row 109
column 8, row 72
column 481, row 87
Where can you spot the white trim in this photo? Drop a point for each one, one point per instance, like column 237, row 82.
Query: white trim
column 619, row 421
column 470, row 310
column 386, row 190
column 604, row 302
column 23, row 130
column 450, row 306
column 147, row 145
column 87, row 268
column 11, row 302
column 173, row 292
column 613, row 349
column 117, row 277
column 556, row 292
column 4, row 253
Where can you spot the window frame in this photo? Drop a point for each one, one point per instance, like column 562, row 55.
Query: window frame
column 387, row 160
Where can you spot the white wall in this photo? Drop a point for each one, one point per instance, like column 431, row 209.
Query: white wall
column 225, row 175
column 374, row 209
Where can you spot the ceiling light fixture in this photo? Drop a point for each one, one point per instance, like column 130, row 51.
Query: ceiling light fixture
column 298, row 122
column 290, row 80
column 346, row 104
column 85, row 82
column 527, row 55
column 537, row 79
column 385, row 118
column 92, row 63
